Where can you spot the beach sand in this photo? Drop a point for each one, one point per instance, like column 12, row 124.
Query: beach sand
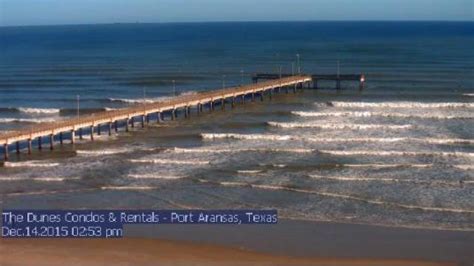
column 133, row 251
column 287, row 243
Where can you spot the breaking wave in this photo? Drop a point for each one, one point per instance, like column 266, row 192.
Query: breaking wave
column 399, row 153
column 39, row 110
column 39, row 179
column 153, row 176
column 27, row 120
column 379, row 114
column 40, row 164
column 219, row 150
column 337, row 126
column 128, row 188
column 341, row 196
column 249, row 171
column 469, row 94
column 314, row 139
column 399, row 104
column 388, row 180
column 166, row 161
column 102, row 152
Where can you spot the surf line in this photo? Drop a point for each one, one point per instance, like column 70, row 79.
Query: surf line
column 144, row 112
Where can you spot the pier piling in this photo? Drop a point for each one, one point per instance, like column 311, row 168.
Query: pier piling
column 51, row 142
column 127, row 115
column 30, row 146
column 17, row 147
column 5, row 151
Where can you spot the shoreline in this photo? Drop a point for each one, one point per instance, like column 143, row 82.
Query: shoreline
column 139, row 251
column 287, row 243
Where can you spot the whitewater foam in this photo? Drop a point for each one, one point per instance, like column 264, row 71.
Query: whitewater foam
column 219, row 150
column 153, row 176
column 128, row 188
column 40, row 164
column 249, row 171
column 101, row 152
column 27, row 120
column 167, row 161
column 469, row 94
column 337, row 126
column 388, row 180
column 398, row 153
column 327, row 139
column 378, row 114
column 38, row 110
column 399, row 104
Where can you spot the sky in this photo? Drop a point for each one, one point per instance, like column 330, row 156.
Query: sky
column 54, row 12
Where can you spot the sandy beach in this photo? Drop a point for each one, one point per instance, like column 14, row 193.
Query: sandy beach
column 287, row 243
column 133, row 251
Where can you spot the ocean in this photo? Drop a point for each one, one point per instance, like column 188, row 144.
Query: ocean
column 398, row 153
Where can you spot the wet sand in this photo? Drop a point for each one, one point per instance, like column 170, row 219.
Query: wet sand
column 287, row 243
column 133, row 251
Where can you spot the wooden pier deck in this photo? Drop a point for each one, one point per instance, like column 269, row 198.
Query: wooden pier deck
column 317, row 77
column 126, row 116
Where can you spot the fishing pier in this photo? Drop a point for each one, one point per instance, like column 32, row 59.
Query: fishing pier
column 338, row 78
column 108, row 121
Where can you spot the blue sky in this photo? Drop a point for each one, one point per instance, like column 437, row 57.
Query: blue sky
column 45, row 12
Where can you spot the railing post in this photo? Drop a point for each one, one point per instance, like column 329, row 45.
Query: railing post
column 73, row 136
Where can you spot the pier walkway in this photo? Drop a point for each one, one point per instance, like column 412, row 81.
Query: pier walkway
column 338, row 78
column 112, row 120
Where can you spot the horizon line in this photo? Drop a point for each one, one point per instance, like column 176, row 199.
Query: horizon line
column 230, row 21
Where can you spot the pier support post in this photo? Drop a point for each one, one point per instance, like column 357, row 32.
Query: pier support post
column 270, row 93
column 233, row 102
column 243, row 99
column 110, row 129
column 261, row 96
column 30, row 146
column 148, row 119
column 5, row 151
column 286, row 89
column 253, row 97
column 98, row 130
column 185, row 112
column 158, row 117
column 40, row 146
column 116, row 126
column 223, row 104
column 127, row 123
column 211, row 106
column 73, row 136
column 132, row 122
column 51, row 142
column 61, row 138
column 142, row 118
column 173, row 114
column 81, row 137
column 92, row 133
column 17, row 147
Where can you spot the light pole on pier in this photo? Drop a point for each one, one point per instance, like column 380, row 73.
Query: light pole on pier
column 78, row 97
column 174, row 87
column 298, row 63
